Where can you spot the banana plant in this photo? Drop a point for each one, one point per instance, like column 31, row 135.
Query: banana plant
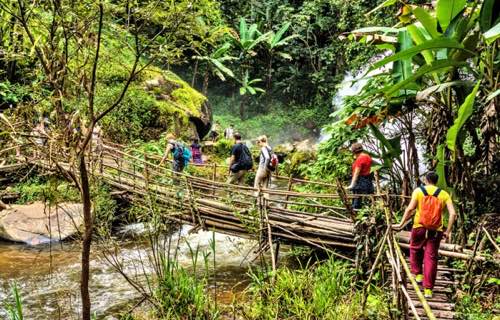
column 215, row 64
column 216, row 61
column 274, row 42
column 248, row 85
column 248, row 38
column 444, row 69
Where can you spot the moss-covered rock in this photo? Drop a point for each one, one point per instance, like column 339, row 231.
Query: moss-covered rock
column 174, row 96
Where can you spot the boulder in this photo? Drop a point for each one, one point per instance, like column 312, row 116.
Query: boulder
column 36, row 223
column 177, row 97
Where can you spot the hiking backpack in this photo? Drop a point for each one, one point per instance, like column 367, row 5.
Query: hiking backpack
column 273, row 160
column 431, row 210
column 181, row 154
column 246, row 162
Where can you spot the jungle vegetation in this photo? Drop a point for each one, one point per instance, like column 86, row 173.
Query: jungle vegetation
column 431, row 98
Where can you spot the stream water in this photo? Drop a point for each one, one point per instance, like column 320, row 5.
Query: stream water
column 48, row 277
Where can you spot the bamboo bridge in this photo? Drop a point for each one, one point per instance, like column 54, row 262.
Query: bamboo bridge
column 318, row 216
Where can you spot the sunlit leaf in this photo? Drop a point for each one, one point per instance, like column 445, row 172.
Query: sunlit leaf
column 428, row 21
column 492, row 34
column 464, row 113
column 427, row 45
column 446, row 10
column 427, row 69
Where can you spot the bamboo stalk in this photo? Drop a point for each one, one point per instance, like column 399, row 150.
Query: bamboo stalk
column 425, row 305
column 410, row 302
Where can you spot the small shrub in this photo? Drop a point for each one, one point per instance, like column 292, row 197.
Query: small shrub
column 51, row 190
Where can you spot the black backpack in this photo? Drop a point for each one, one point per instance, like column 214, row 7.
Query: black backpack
column 245, row 161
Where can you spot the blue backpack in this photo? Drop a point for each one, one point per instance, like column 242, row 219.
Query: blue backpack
column 181, row 154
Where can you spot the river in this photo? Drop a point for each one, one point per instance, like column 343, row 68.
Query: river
column 48, row 276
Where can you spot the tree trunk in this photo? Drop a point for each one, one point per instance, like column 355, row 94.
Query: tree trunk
column 87, row 237
column 269, row 72
column 242, row 106
column 205, row 84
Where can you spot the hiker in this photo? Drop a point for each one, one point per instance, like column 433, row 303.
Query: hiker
column 427, row 231
column 214, row 132
column 229, row 132
column 180, row 154
column 267, row 163
column 196, row 151
column 361, row 182
column 240, row 161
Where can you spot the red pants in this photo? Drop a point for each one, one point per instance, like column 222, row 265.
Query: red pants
column 424, row 246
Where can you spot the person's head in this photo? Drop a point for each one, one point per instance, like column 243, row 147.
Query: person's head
column 431, row 177
column 170, row 137
column 262, row 140
column 356, row 148
column 195, row 140
column 237, row 136
column 231, row 125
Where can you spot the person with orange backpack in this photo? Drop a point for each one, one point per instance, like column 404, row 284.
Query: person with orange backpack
column 427, row 232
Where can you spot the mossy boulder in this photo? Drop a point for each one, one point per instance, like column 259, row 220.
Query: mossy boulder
column 174, row 96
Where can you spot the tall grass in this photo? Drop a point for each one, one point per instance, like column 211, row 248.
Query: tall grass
column 324, row 291
column 15, row 308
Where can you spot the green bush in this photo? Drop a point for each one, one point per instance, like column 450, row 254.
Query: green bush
column 470, row 308
column 325, row 292
column 222, row 148
column 40, row 189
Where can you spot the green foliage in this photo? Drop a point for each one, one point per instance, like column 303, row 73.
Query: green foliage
column 14, row 310
column 52, row 190
column 181, row 295
column 464, row 113
column 222, row 148
column 321, row 292
column 280, row 122
column 104, row 209
column 469, row 308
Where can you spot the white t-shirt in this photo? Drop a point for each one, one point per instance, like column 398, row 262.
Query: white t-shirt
column 265, row 157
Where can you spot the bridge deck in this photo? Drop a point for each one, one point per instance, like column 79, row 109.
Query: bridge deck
column 319, row 219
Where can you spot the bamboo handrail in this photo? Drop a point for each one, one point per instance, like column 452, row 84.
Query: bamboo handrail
column 420, row 296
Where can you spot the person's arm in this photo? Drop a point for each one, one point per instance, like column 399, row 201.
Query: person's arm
column 167, row 151
column 410, row 210
column 355, row 177
column 451, row 220
column 231, row 161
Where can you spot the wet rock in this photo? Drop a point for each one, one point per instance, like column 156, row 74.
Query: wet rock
column 36, row 223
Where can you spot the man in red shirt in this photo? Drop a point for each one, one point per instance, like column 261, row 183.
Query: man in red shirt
column 361, row 182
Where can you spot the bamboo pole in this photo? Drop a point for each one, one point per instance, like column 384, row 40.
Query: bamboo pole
column 270, row 240
column 421, row 297
column 410, row 302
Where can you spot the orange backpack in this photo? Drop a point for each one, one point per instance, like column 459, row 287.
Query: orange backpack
column 431, row 210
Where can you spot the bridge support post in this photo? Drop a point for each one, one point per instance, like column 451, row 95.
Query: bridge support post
column 277, row 252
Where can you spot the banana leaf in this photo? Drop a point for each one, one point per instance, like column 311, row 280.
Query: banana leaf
column 464, row 113
column 422, row 71
column 446, row 10
column 427, row 45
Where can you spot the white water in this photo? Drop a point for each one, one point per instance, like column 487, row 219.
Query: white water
column 352, row 84
column 46, row 292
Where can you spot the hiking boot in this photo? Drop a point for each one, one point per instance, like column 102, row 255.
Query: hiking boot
column 419, row 278
column 427, row 293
